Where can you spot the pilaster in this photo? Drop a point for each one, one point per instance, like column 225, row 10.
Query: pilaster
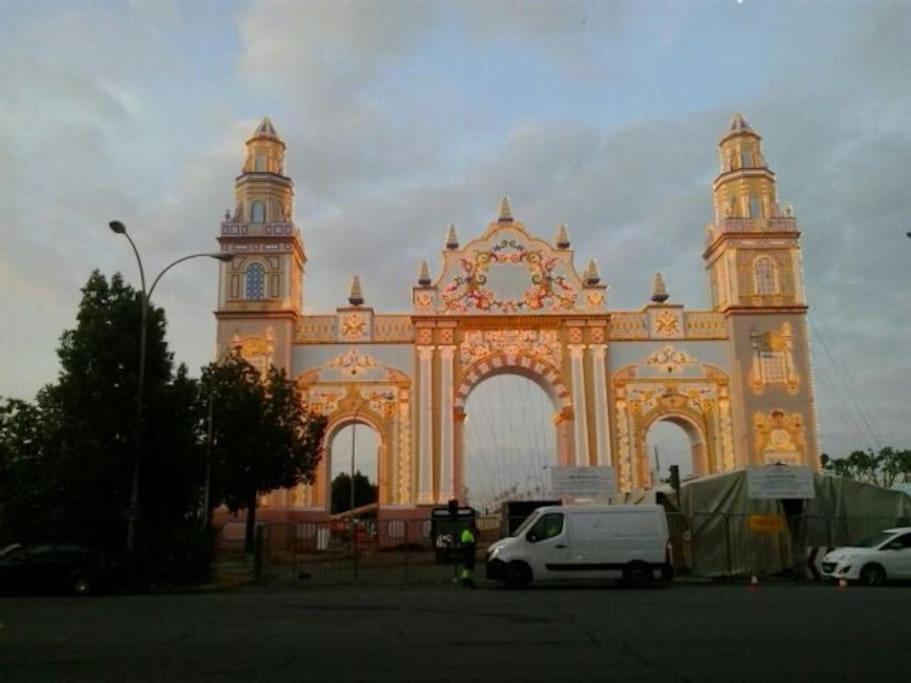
column 425, row 425
column 580, row 431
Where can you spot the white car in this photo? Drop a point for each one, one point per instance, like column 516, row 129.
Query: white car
column 873, row 561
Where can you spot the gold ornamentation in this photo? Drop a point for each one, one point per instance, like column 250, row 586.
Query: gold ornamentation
column 425, row 336
column 354, row 326
column 575, row 335
column 773, row 360
column 779, row 437
column 669, row 359
column 353, row 363
column 667, row 324
column 424, row 300
column 597, row 335
column 595, row 300
column 446, row 336
column 542, row 344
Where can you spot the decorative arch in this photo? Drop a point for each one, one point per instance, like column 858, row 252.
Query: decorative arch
column 541, row 373
column 355, row 387
column 692, row 394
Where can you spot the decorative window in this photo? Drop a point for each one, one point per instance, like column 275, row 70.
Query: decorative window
column 255, row 285
column 765, row 277
column 773, row 360
column 258, row 212
column 746, row 159
column 755, row 207
column 774, row 367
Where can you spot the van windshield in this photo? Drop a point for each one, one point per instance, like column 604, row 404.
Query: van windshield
column 523, row 527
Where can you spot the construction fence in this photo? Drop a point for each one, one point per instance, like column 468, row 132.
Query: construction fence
column 405, row 551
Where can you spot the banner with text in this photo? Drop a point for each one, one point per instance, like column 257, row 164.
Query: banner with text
column 780, row 481
column 583, row 482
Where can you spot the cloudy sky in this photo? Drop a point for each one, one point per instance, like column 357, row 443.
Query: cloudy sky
column 402, row 117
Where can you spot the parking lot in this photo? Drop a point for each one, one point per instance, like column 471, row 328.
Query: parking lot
column 780, row 632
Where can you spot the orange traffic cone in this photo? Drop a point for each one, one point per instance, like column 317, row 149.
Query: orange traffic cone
column 754, row 583
column 842, row 584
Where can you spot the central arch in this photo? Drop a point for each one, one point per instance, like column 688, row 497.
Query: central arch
column 540, row 373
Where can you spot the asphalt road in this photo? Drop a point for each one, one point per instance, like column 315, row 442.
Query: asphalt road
column 441, row 633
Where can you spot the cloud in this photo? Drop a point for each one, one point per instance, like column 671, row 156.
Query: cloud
column 403, row 117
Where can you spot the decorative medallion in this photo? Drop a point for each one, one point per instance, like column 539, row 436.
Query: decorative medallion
column 779, row 437
column 353, row 326
column 549, row 290
column 669, row 359
column 575, row 335
column 353, row 363
column 424, row 300
column 595, row 300
column 425, row 336
column 667, row 323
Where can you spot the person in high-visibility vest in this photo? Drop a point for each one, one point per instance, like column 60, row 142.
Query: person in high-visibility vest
column 467, row 542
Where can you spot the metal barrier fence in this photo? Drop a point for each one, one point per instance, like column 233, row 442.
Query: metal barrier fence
column 402, row 551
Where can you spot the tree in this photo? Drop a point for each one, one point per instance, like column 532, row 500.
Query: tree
column 74, row 448
column 885, row 468
column 364, row 492
column 262, row 437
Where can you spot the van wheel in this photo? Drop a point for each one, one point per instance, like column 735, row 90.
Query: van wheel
column 518, row 575
column 873, row 575
column 638, row 575
column 81, row 584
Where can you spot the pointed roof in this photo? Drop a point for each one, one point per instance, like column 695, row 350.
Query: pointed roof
column 265, row 129
column 505, row 211
column 355, row 296
column 659, row 291
column 591, row 275
column 738, row 126
column 452, row 240
column 562, row 237
column 424, row 275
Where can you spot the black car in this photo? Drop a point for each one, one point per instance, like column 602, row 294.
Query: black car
column 53, row 567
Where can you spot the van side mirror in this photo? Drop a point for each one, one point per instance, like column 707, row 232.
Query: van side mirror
column 531, row 536
column 895, row 545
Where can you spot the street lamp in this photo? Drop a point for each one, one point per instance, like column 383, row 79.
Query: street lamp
column 386, row 397
column 120, row 229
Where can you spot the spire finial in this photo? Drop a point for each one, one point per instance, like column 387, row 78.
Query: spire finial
column 355, row 296
column 505, row 211
column 265, row 129
column 424, row 275
column 591, row 275
column 452, row 240
column 562, row 237
column 659, row 291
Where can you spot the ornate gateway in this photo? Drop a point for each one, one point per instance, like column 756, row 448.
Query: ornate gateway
column 734, row 376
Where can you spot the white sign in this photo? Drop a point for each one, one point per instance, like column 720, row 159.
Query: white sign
column 780, row 481
column 582, row 482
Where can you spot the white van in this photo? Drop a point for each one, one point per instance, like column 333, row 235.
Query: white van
column 628, row 542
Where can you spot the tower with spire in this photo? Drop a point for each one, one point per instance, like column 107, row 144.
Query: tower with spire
column 753, row 260
column 261, row 290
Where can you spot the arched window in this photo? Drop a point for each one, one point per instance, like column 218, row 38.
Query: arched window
column 255, row 281
column 260, row 163
column 746, row 159
column 258, row 212
column 755, row 207
column 765, row 277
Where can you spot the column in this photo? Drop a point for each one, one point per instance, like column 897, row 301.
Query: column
column 602, row 430
column 425, row 426
column 579, row 415
column 446, row 425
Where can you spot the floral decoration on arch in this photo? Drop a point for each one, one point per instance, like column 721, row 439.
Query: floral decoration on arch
column 548, row 290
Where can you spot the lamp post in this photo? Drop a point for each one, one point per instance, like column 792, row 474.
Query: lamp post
column 120, row 229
